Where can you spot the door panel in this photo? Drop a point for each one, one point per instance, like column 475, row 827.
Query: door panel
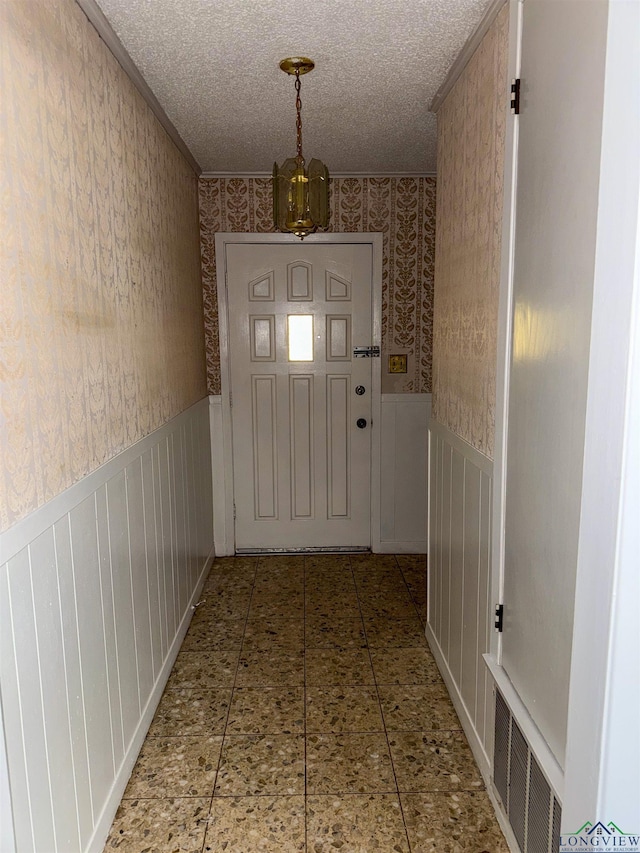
column 301, row 464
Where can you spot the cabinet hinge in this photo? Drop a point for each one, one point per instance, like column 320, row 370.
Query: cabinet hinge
column 499, row 618
column 515, row 96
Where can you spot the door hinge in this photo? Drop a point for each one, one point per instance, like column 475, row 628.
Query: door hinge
column 515, row 96
column 234, row 511
column 230, row 400
column 498, row 624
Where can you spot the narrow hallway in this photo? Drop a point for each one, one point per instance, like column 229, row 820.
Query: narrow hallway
column 306, row 713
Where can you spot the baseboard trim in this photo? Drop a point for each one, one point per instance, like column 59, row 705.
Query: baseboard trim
column 481, row 757
column 105, row 820
column 475, row 743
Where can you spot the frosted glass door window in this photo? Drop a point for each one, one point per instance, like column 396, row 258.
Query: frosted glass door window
column 300, row 337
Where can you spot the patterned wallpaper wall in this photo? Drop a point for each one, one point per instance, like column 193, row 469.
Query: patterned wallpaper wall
column 402, row 208
column 101, row 308
column 471, row 135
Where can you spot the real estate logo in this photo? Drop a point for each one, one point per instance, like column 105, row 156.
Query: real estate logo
column 600, row 836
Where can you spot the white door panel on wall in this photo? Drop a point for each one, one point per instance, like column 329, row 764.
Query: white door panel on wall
column 301, row 464
column 556, row 214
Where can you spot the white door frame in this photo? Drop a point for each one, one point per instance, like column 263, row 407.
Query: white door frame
column 225, row 526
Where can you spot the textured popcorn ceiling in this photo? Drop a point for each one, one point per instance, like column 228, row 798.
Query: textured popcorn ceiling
column 213, row 65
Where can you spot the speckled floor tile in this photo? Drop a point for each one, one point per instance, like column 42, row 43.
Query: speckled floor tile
column 417, row 707
column 277, row 606
column 228, row 584
column 452, row 823
column 222, row 606
column 421, row 607
column 393, row 593
column 256, row 825
column 291, row 563
column 279, row 578
column 270, row 668
column 364, row 737
column 284, row 590
column 349, row 763
column 416, row 579
column 394, row 633
column 203, row 670
column 412, row 562
column 367, row 563
column 355, row 823
column 338, row 667
column 206, row 636
column 343, row 709
column 266, row 710
column 191, row 713
column 261, row 764
column 273, row 634
column 382, row 607
column 315, row 581
column 334, row 633
column 321, row 563
column 334, row 605
column 175, row 767
column 233, row 565
column 379, row 576
column 413, row 665
column 159, row 826
column 433, row 761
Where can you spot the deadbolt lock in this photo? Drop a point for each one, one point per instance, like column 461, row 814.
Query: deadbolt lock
column 360, row 389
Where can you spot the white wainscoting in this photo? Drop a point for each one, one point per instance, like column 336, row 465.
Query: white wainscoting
column 460, row 612
column 96, row 594
column 403, row 473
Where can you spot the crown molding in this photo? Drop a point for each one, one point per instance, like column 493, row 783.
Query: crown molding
column 104, row 29
column 465, row 54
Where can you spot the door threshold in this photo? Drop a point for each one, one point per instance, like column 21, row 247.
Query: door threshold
column 338, row 549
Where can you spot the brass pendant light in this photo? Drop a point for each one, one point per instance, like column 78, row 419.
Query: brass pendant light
column 300, row 192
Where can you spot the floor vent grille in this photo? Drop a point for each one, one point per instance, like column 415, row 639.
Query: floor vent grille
column 528, row 800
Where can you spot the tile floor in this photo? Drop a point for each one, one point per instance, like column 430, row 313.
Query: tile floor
column 306, row 713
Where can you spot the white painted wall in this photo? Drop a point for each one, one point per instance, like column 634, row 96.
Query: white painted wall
column 95, row 595
column 460, row 623
column 403, row 473
column 603, row 738
column 563, row 54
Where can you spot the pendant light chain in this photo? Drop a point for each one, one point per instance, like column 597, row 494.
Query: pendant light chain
column 298, row 116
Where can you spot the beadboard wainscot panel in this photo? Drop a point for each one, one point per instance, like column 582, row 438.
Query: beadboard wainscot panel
column 96, row 593
column 459, row 610
column 404, row 473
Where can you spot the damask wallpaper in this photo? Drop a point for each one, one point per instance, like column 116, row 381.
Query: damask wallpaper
column 101, row 306
column 471, row 136
column 403, row 209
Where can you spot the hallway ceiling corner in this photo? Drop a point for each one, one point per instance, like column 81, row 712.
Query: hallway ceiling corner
column 213, row 66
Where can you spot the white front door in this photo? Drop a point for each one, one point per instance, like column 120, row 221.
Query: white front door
column 301, row 402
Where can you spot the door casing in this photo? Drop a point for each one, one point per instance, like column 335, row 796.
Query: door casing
column 225, row 526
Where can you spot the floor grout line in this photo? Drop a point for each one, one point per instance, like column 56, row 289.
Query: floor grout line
column 233, row 684
column 393, row 769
